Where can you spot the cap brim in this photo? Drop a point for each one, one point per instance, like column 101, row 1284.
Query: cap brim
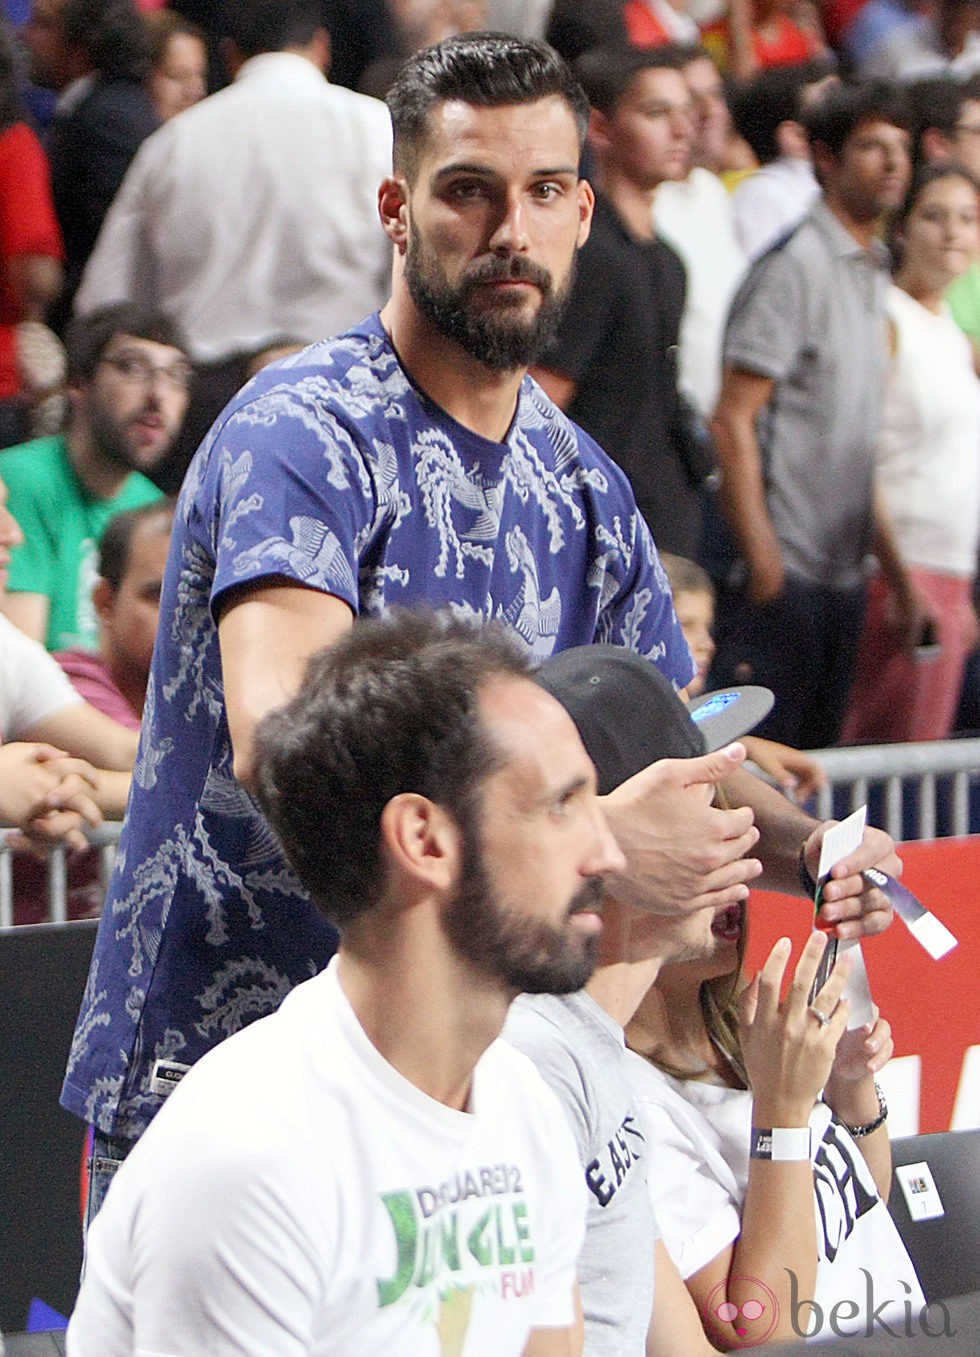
column 728, row 713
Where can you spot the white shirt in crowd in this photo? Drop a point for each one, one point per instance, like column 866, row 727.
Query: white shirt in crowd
column 253, row 215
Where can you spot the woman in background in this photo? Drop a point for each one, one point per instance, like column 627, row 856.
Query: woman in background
column 179, row 56
column 920, row 625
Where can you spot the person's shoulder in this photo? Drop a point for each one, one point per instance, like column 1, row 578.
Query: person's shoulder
column 118, row 100
column 27, row 463
column 137, row 490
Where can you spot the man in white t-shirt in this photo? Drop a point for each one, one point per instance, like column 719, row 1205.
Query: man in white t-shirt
column 368, row 1170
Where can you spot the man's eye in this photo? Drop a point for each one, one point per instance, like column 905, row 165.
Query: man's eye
column 470, row 189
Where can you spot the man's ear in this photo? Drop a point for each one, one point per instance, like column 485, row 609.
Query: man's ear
column 103, row 597
column 586, row 206
column 824, row 162
column 791, row 139
column 422, row 840
column 598, row 136
column 935, row 145
column 393, row 210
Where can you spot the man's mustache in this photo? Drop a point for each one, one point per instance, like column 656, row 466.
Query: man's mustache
column 589, row 898
column 515, row 269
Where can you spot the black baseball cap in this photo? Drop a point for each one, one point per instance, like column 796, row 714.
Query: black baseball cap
column 629, row 716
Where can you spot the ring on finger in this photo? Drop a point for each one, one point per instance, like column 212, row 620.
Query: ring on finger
column 821, row 1018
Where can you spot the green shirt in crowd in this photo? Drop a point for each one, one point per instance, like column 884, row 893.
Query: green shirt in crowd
column 62, row 525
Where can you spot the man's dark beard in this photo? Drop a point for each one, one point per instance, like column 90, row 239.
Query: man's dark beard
column 530, row 957
column 501, row 339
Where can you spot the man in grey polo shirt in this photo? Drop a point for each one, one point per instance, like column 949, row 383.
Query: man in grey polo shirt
column 797, row 421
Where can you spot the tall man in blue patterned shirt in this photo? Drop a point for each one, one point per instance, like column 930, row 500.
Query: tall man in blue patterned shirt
column 411, row 460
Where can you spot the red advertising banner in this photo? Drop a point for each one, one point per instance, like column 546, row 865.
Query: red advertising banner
column 932, row 1005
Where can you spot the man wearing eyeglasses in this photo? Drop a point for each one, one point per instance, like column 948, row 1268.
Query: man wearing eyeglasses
column 128, row 382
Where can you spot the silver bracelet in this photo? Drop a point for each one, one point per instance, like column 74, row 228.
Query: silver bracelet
column 858, row 1131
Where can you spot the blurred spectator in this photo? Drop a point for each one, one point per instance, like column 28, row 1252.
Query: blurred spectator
column 767, row 113
column 113, row 680
column 30, row 244
column 576, row 26
column 947, row 129
column 47, row 782
column 797, row 424
column 797, row 775
column 178, row 63
column 254, row 213
column 94, row 53
column 420, row 23
column 128, row 379
column 928, row 479
column 524, row 18
column 755, row 35
column 613, row 362
column 694, row 216
column 362, row 32
column 913, row 39
column 655, row 23
column 126, row 597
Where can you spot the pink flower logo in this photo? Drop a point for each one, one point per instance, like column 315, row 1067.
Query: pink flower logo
column 760, row 1310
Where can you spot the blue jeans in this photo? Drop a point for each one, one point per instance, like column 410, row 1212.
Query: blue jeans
column 108, row 1152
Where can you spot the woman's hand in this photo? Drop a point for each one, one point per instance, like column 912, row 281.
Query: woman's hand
column 788, row 1050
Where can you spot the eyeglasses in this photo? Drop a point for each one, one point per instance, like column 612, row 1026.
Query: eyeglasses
column 136, row 368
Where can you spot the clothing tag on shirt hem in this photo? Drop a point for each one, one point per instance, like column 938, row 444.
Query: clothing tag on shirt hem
column 166, row 1075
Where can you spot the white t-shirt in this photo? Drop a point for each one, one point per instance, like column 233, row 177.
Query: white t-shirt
column 770, row 202
column 929, row 444
column 698, row 1175
column 297, row 1195
column 695, row 216
column 253, row 215
column 32, row 684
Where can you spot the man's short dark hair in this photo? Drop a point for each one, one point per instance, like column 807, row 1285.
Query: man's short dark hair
column 487, row 70
column 88, row 337
column 771, row 98
column 937, row 104
column 116, row 545
column 833, row 118
column 606, row 73
column 113, row 35
column 256, row 26
column 392, row 707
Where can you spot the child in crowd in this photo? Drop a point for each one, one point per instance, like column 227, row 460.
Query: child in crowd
column 797, row 774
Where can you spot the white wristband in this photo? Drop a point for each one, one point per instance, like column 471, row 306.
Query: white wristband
column 782, row 1144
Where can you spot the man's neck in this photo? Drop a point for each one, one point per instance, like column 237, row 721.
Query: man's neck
column 476, row 397
column 131, row 684
column 426, row 1012
column 634, row 205
column 862, row 230
column 102, row 478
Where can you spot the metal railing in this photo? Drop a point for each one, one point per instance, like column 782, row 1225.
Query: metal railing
column 104, row 838
column 915, row 791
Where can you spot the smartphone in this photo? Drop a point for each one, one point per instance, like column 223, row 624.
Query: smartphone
column 829, row 956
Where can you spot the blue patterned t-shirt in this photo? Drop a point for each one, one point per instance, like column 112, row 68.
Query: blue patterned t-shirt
column 330, row 469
